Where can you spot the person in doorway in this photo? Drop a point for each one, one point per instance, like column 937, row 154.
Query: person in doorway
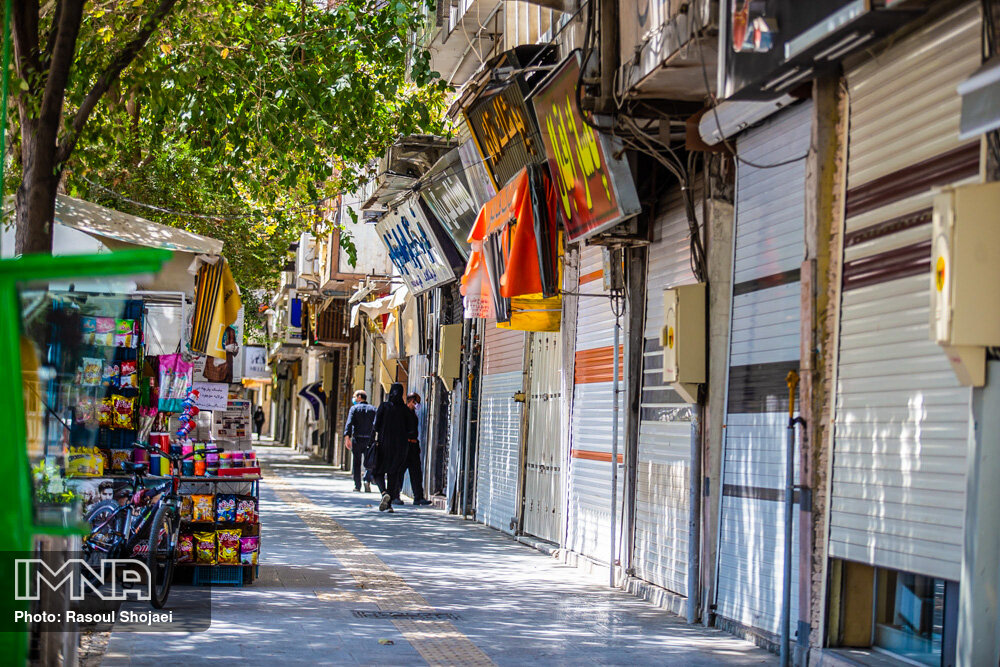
column 258, row 420
column 391, row 430
column 413, row 453
column 358, row 436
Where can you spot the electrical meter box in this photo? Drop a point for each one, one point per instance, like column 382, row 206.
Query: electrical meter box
column 683, row 339
column 965, row 277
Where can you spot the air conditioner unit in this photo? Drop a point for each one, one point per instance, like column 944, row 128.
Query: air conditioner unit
column 965, row 278
column 683, row 339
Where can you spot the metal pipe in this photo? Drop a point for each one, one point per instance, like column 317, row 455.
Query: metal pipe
column 614, row 454
column 694, row 517
column 786, row 588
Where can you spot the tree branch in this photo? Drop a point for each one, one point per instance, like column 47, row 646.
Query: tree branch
column 110, row 74
column 24, row 29
column 63, row 42
column 51, row 42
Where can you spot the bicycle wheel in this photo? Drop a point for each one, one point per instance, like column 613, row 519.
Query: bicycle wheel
column 102, row 533
column 162, row 548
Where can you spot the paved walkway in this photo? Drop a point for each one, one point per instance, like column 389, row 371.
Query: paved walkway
column 343, row 584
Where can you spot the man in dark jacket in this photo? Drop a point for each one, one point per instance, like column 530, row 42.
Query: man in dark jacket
column 360, row 432
column 413, row 453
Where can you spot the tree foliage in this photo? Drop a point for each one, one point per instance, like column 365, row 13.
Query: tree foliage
column 244, row 105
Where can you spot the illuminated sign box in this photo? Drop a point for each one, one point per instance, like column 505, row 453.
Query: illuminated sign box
column 595, row 189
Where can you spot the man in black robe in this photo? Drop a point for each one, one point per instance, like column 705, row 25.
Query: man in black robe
column 391, row 442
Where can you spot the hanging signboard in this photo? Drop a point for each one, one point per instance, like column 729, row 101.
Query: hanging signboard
column 413, row 248
column 480, row 185
column 255, row 363
column 505, row 131
column 446, row 192
column 595, row 189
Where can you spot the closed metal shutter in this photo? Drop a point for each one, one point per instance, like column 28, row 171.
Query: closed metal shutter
column 662, row 505
column 590, row 468
column 764, row 347
column 499, row 429
column 902, row 420
column 543, row 498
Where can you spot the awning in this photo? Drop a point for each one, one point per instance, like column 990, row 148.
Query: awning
column 513, row 261
column 107, row 223
column 380, row 306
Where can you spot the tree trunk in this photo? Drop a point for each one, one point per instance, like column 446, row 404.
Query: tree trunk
column 35, row 201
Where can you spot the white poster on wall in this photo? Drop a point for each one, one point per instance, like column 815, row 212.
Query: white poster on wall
column 255, row 362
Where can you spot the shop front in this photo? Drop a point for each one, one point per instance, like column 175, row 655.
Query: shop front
column 769, row 248
column 902, row 420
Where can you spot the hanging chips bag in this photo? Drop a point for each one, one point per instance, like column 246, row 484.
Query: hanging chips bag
column 246, row 509
column 90, row 375
column 203, row 507
column 204, row 548
column 104, row 411
column 88, row 327
column 229, row 546
column 187, row 508
column 225, row 507
column 128, row 375
column 185, row 548
column 104, row 331
column 124, row 333
column 249, row 548
column 119, row 457
column 109, row 375
column 124, row 412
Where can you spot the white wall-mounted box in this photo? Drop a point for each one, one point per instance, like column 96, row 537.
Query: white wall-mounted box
column 965, row 277
column 683, row 339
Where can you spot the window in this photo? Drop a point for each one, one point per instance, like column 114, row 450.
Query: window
column 910, row 615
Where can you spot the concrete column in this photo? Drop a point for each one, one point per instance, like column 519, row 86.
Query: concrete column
column 720, row 281
column 978, row 641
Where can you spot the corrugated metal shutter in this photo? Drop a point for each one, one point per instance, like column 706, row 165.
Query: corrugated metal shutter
column 543, row 499
column 590, row 468
column 662, row 504
column 770, row 247
column 902, row 420
column 499, row 429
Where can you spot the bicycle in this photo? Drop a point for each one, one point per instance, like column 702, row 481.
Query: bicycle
column 118, row 531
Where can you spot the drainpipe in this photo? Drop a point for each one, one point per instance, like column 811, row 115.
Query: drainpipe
column 614, row 454
column 694, row 517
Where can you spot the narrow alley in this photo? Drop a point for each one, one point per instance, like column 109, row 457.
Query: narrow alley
column 341, row 583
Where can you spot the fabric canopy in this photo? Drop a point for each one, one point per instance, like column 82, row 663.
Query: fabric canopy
column 504, row 276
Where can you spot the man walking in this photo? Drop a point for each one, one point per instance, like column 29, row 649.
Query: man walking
column 359, row 432
column 391, row 428
column 258, row 420
column 413, row 453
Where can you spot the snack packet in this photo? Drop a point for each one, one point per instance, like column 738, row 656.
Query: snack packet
column 249, row 548
column 229, row 546
column 124, row 333
column 90, row 376
column 187, row 508
column 246, row 509
column 104, row 331
column 203, row 507
column 204, row 548
column 124, row 412
column 225, row 507
column 127, row 376
column 104, row 411
column 118, row 459
column 88, row 327
column 109, row 375
column 185, row 548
